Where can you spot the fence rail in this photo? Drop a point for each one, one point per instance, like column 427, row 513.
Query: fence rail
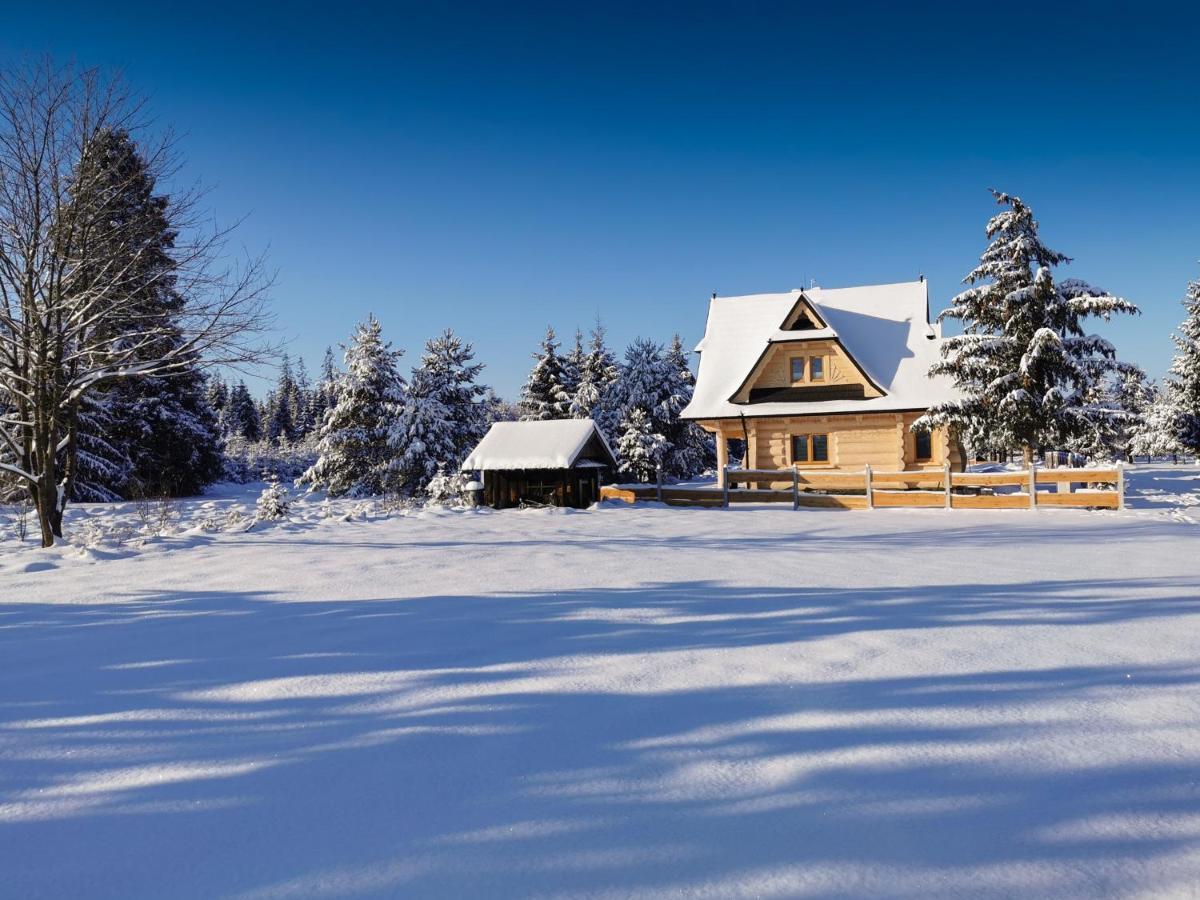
column 1102, row 488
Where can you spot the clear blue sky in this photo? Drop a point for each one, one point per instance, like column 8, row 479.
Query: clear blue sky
column 500, row 167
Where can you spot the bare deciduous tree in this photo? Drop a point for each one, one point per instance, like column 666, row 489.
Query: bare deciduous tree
column 74, row 273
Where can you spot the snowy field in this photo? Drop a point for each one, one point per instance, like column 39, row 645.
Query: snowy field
column 611, row 703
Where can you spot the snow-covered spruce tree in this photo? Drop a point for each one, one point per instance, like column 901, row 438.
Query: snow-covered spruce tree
column 544, row 395
column 324, row 395
column 594, row 393
column 355, row 448
column 1127, row 396
column 645, row 384
column 1024, row 363
column 301, row 403
column 170, row 435
column 241, row 415
column 640, row 448
column 573, row 370
column 217, row 395
column 445, row 413
column 692, row 448
column 1183, row 379
column 1157, row 432
column 158, row 433
column 273, row 502
column 280, row 412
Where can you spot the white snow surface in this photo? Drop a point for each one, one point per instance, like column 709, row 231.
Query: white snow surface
column 885, row 328
column 551, row 444
column 619, row 702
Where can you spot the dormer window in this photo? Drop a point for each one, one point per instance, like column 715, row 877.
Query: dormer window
column 807, row 369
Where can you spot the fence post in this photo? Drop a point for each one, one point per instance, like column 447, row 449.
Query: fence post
column 946, row 475
column 870, row 489
column 1033, row 485
column 658, row 482
column 795, row 488
column 725, row 487
column 1120, row 484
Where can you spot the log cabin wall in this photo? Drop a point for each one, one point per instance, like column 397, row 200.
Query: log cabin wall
column 882, row 440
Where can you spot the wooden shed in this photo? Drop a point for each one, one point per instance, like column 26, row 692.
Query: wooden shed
column 557, row 463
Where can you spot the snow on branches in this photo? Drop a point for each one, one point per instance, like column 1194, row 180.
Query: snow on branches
column 1029, row 373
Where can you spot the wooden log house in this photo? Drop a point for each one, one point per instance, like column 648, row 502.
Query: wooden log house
column 824, row 380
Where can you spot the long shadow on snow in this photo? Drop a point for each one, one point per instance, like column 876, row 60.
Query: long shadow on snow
column 450, row 746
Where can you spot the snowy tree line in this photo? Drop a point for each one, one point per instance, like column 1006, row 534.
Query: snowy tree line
column 1033, row 378
column 635, row 401
column 381, row 433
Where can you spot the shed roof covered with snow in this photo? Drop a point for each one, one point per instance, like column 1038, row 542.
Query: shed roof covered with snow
column 884, row 328
column 554, row 444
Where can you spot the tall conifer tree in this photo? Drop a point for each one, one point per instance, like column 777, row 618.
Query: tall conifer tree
column 1026, row 367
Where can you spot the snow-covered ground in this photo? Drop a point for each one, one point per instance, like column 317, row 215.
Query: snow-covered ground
column 612, row 703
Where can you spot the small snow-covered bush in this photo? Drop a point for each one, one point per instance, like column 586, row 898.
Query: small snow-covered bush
column 273, row 502
column 446, row 489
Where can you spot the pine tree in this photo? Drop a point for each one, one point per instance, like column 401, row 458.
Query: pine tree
column 692, row 448
column 1157, row 433
column 217, row 395
column 1024, row 364
column 302, row 402
column 280, row 412
column 445, row 413
column 645, row 383
column 639, row 447
column 324, row 395
column 273, row 503
column 593, row 397
column 175, row 433
column 152, row 433
column 355, row 448
column 1183, row 381
column 544, row 395
column 242, row 415
column 1127, row 397
column 573, row 370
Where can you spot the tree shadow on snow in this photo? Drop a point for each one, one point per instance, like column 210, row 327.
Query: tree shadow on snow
column 535, row 743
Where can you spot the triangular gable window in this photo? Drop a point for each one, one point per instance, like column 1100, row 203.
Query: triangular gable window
column 802, row 317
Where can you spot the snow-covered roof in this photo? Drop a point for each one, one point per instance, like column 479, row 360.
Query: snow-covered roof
column 884, row 328
column 555, row 444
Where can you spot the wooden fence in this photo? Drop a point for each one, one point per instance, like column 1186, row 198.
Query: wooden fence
column 875, row 489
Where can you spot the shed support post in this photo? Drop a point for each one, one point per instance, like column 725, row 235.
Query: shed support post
column 795, row 488
column 1120, row 484
column 870, row 488
column 658, row 482
column 725, row 485
column 946, row 481
column 1033, row 485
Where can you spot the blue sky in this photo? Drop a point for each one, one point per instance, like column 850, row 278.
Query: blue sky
column 499, row 167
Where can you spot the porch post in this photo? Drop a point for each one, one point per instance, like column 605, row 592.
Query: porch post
column 722, row 458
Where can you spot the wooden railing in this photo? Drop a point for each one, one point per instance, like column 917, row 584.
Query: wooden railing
column 1102, row 488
